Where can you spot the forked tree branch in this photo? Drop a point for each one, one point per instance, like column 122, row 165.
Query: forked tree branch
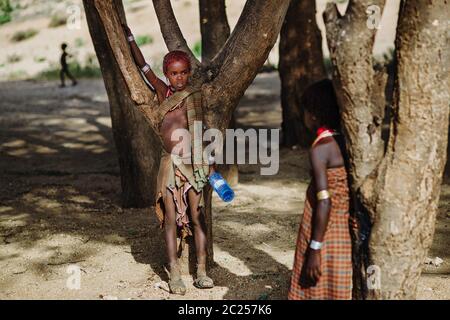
column 110, row 19
column 173, row 37
column 245, row 52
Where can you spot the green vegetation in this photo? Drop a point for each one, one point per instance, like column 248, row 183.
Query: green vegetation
column 39, row 59
column 23, row 35
column 17, row 75
column 21, row 6
column 79, row 42
column 328, row 66
column 197, row 49
column 144, row 39
column 90, row 69
column 387, row 58
column 57, row 21
column 13, row 58
column 5, row 11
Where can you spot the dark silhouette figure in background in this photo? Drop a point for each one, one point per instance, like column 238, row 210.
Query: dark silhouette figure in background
column 64, row 67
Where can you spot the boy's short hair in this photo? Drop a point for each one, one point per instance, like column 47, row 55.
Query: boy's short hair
column 176, row 55
column 64, row 46
column 319, row 99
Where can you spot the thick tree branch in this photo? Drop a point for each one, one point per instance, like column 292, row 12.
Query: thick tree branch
column 300, row 65
column 171, row 31
column 350, row 40
column 214, row 27
column 139, row 91
column 136, row 143
column 248, row 47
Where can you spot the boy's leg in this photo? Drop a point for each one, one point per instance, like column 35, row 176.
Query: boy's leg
column 176, row 284
column 199, row 226
column 71, row 77
column 170, row 228
column 61, row 76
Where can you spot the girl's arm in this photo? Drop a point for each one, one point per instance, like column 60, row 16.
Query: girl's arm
column 319, row 159
column 156, row 83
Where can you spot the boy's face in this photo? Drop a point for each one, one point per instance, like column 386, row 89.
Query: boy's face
column 178, row 74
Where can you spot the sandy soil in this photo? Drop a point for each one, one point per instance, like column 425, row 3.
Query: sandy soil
column 59, row 206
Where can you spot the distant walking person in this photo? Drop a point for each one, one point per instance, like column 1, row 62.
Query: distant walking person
column 64, row 67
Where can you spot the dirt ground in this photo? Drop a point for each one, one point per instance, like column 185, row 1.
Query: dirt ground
column 60, row 206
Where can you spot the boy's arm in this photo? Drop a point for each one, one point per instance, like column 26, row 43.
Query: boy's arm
column 157, row 83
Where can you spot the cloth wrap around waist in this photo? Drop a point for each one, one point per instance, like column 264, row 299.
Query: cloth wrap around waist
column 178, row 174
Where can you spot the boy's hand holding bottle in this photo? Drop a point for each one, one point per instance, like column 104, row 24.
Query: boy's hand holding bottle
column 218, row 183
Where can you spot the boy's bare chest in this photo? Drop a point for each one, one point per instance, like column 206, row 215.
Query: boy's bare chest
column 175, row 119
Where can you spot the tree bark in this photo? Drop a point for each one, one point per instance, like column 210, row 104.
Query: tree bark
column 222, row 82
column 215, row 31
column 399, row 187
column 236, row 65
column 301, row 63
column 136, row 143
column 350, row 43
column 214, row 27
column 409, row 178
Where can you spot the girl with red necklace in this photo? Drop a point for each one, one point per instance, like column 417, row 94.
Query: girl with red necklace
column 323, row 265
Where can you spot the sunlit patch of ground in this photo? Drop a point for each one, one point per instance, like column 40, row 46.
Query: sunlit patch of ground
column 60, row 206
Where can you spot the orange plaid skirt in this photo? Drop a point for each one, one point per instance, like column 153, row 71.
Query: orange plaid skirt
column 336, row 253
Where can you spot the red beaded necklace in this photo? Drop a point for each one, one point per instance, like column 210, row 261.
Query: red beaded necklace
column 323, row 132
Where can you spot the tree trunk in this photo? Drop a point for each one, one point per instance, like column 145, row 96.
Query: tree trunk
column 350, row 43
column 215, row 32
column 399, row 187
column 214, row 27
column 409, row 179
column 301, row 63
column 136, row 143
column 223, row 81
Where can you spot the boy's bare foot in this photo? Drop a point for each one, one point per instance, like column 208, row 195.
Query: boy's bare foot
column 176, row 284
column 203, row 281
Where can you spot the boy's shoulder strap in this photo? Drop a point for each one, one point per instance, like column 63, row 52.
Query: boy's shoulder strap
column 175, row 99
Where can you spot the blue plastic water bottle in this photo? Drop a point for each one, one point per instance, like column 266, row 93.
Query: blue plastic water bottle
column 221, row 186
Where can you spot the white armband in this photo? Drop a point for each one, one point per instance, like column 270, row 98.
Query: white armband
column 315, row 245
column 145, row 68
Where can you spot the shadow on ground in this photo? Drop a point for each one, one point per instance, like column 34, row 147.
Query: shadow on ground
column 60, row 202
